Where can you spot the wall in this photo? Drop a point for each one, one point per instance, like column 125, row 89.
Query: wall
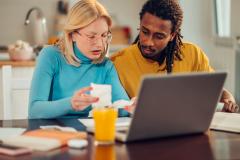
column 12, row 16
column 235, row 22
column 13, row 12
column 198, row 28
column 125, row 12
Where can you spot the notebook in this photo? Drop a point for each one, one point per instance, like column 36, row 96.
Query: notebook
column 174, row 105
column 223, row 121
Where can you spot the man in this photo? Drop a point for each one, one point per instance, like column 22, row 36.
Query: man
column 159, row 49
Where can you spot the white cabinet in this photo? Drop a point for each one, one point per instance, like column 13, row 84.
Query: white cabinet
column 19, row 98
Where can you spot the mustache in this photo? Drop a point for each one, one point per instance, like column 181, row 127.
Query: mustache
column 148, row 48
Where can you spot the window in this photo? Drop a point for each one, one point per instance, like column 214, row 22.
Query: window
column 222, row 18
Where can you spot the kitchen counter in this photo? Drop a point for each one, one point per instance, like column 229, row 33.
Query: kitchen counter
column 18, row 63
column 5, row 60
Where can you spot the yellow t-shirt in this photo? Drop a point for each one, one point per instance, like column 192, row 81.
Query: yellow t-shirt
column 131, row 65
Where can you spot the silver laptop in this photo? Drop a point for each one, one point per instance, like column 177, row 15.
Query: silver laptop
column 174, row 105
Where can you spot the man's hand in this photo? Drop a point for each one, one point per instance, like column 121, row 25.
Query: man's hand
column 229, row 102
column 131, row 108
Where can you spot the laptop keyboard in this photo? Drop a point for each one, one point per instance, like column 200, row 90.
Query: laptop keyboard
column 122, row 124
column 123, row 131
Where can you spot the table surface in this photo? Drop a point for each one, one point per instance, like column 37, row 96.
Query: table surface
column 211, row 145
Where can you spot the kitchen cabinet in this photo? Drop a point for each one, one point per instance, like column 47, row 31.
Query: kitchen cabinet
column 19, row 97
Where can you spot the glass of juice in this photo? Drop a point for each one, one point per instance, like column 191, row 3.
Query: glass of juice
column 105, row 152
column 104, row 121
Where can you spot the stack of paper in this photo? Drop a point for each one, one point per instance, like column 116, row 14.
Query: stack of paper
column 10, row 132
column 226, row 122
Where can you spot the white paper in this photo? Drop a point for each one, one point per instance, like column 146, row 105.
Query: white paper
column 122, row 103
column 11, row 132
column 226, row 122
column 104, row 93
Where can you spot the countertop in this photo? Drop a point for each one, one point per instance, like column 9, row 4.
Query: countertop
column 5, row 60
column 17, row 63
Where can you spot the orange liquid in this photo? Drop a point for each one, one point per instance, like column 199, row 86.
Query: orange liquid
column 106, row 152
column 105, row 119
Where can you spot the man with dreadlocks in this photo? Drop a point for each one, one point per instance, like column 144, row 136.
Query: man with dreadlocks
column 159, row 49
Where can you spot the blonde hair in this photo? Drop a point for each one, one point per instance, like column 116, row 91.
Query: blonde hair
column 80, row 15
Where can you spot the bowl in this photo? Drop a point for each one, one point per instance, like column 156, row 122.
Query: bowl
column 20, row 55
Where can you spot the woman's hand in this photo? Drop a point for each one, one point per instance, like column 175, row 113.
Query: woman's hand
column 81, row 100
column 229, row 102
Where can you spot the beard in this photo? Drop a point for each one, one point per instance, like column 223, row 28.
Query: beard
column 153, row 54
column 150, row 51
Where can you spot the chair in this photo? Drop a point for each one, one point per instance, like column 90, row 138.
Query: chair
column 11, row 84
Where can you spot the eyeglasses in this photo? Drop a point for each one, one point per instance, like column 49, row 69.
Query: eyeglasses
column 105, row 37
column 156, row 37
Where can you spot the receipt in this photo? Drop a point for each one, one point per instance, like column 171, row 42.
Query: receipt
column 104, row 93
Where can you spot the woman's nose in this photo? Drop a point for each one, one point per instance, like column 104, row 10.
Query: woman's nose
column 99, row 42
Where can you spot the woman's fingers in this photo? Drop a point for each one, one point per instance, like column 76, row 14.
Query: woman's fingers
column 86, row 98
column 83, row 90
column 81, row 100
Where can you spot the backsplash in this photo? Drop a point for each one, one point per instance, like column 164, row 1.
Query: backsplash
column 13, row 13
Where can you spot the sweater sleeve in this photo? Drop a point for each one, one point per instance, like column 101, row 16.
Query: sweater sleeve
column 40, row 103
column 118, row 92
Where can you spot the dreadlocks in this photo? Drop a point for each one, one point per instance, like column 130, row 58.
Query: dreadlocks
column 167, row 10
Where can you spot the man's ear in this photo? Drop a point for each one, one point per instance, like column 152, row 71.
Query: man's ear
column 172, row 36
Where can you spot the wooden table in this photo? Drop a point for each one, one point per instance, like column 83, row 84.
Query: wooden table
column 212, row 145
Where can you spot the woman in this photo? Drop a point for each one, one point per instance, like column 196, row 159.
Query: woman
column 64, row 71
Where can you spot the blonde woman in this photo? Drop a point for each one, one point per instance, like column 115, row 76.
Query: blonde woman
column 64, row 71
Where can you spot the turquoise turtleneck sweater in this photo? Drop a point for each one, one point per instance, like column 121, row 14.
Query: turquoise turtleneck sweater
column 55, row 81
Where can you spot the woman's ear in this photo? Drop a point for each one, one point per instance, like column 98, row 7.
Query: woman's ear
column 73, row 36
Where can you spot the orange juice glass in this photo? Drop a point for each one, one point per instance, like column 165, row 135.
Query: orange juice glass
column 104, row 119
column 105, row 152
